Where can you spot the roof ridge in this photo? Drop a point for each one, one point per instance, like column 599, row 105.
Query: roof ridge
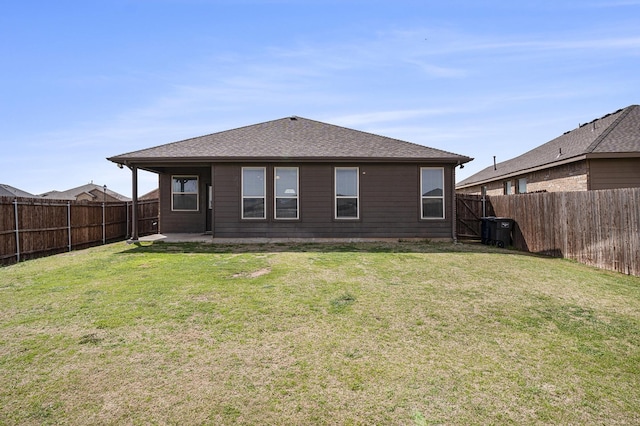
column 603, row 135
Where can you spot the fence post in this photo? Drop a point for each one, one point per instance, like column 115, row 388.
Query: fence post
column 126, row 233
column 104, row 226
column 15, row 210
column 69, row 222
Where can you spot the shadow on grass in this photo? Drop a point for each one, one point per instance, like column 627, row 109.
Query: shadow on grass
column 342, row 247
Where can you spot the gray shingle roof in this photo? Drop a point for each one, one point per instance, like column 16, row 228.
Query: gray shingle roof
column 615, row 133
column 92, row 189
column 10, row 191
column 289, row 138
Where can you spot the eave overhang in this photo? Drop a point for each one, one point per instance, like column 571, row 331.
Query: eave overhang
column 522, row 172
column 589, row 156
column 158, row 162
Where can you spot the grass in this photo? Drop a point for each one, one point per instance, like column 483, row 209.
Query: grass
column 404, row 333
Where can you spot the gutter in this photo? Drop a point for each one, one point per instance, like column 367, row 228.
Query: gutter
column 209, row 160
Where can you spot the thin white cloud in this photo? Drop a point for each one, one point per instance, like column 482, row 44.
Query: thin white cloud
column 445, row 42
column 386, row 116
column 439, row 71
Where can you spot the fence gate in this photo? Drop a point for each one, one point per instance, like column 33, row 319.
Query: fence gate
column 469, row 210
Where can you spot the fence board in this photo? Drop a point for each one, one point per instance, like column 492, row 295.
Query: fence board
column 598, row 228
column 43, row 225
column 468, row 211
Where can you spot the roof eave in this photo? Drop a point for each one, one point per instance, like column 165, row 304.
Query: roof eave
column 605, row 155
column 139, row 161
column 523, row 171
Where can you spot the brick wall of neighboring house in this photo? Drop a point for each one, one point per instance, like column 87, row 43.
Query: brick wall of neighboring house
column 567, row 177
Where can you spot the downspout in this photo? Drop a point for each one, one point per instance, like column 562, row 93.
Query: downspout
column 213, row 204
column 454, row 203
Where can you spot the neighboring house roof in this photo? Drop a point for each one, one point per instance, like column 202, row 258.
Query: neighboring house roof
column 151, row 195
column 289, row 138
column 92, row 191
column 10, row 191
column 614, row 135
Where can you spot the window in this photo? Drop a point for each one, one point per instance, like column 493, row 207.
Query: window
column 432, row 192
column 286, row 192
column 507, row 187
column 253, row 193
column 522, row 186
column 184, row 193
column 347, row 193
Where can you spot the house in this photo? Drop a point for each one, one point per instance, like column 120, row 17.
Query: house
column 10, row 191
column 88, row 192
column 298, row 178
column 154, row 194
column 602, row 154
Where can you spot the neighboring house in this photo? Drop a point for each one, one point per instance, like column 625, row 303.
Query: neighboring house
column 151, row 195
column 10, row 191
column 88, row 192
column 299, row 178
column 602, row 154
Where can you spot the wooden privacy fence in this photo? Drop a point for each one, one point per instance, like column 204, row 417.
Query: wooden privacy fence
column 598, row 228
column 32, row 227
column 469, row 211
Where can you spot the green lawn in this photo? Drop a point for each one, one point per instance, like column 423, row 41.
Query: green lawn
column 405, row 333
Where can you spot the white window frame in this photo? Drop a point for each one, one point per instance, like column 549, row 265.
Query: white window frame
column 432, row 197
column 508, row 187
column 277, row 197
column 339, row 197
column 264, row 192
column 196, row 193
column 522, row 184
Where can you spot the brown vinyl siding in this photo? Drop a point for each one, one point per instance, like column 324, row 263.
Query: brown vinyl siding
column 614, row 173
column 183, row 221
column 389, row 205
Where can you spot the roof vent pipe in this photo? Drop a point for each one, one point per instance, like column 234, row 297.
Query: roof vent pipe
column 494, row 163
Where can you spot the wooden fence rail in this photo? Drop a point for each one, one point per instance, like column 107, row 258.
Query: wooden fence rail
column 32, row 228
column 598, row 228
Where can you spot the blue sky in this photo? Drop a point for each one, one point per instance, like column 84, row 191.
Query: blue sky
column 84, row 80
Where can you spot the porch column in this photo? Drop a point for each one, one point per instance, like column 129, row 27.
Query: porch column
column 134, row 204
